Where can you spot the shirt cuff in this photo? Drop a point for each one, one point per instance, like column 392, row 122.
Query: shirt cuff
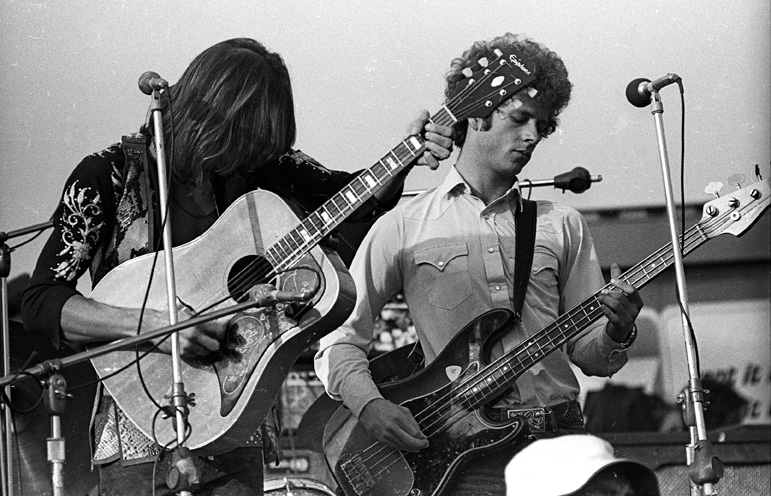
column 360, row 392
column 629, row 340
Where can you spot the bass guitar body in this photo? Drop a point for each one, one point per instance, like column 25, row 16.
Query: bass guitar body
column 234, row 389
column 456, row 431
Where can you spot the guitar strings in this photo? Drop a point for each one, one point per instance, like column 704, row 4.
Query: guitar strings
column 475, row 381
column 691, row 240
column 466, row 413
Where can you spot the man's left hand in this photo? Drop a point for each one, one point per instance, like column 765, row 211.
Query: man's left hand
column 438, row 140
column 621, row 305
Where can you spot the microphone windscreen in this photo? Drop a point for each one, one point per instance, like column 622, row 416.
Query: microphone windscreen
column 633, row 93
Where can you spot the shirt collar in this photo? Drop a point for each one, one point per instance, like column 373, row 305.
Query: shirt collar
column 455, row 185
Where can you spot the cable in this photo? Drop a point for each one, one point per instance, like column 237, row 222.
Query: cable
column 682, row 220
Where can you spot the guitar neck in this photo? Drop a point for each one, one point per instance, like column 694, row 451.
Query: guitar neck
column 288, row 250
column 483, row 89
column 491, row 381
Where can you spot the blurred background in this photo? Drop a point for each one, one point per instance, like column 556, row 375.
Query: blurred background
column 362, row 70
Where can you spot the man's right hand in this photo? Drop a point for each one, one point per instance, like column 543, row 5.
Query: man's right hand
column 194, row 341
column 393, row 424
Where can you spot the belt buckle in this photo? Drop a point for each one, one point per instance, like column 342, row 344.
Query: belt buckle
column 535, row 417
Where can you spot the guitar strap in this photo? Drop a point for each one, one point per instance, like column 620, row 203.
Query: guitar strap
column 405, row 361
column 523, row 253
column 134, row 232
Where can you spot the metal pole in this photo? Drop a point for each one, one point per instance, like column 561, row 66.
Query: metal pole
column 696, row 396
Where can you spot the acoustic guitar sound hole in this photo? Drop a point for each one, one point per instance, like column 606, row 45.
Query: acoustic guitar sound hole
column 246, row 273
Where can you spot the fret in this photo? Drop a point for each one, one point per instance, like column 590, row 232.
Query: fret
column 272, row 259
column 318, row 223
column 371, row 181
column 700, row 233
column 283, row 245
column 567, row 325
column 306, row 236
column 361, row 188
column 584, row 310
column 663, row 262
column 324, row 214
column 449, row 114
column 351, row 196
column 295, row 238
column 400, row 153
column 347, row 205
column 379, row 172
column 416, row 145
column 332, row 202
column 393, row 163
column 280, row 250
column 638, row 277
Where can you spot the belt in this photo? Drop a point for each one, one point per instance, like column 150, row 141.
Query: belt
column 541, row 419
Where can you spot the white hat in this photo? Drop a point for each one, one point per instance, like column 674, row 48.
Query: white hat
column 561, row 465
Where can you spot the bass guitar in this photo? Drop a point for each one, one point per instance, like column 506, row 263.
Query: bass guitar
column 450, row 410
column 257, row 239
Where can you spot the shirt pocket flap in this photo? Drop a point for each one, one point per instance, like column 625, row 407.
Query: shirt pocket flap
column 543, row 260
column 440, row 256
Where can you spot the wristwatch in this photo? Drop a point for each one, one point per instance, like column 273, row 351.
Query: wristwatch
column 632, row 335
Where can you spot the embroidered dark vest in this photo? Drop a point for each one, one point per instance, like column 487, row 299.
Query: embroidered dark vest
column 133, row 233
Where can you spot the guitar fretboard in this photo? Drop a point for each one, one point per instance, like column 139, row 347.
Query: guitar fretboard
column 496, row 377
column 288, row 250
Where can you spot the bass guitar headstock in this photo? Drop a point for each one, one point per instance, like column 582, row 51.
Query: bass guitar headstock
column 736, row 212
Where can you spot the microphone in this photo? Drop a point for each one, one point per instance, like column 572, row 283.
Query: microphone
column 150, row 81
column 577, row 180
column 639, row 91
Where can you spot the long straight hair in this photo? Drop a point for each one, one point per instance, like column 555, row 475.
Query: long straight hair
column 232, row 110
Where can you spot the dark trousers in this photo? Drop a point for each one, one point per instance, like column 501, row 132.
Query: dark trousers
column 485, row 476
column 237, row 473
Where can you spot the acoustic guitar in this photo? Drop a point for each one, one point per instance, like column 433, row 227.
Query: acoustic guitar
column 258, row 238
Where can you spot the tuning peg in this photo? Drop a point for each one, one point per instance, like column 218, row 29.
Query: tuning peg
column 736, row 180
column 714, row 188
column 498, row 52
column 483, row 62
column 468, row 72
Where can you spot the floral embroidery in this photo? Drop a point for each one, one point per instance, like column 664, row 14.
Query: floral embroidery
column 300, row 159
column 80, row 230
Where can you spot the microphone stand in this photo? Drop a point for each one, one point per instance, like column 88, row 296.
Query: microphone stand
column 577, row 180
column 705, row 468
column 179, row 398
column 6, row 430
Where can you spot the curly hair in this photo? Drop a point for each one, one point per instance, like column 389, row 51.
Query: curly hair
column 233, row 111
column 551, row 81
